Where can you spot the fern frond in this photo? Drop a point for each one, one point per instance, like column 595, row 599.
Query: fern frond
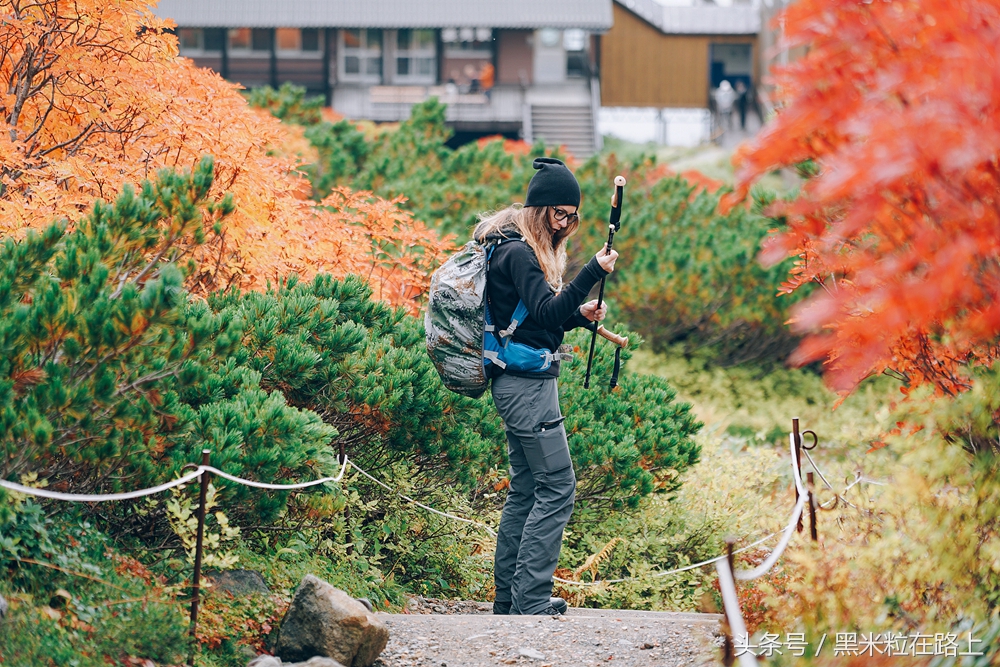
column 594, row 560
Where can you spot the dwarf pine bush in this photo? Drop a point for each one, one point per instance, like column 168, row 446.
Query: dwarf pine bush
column 689, row 274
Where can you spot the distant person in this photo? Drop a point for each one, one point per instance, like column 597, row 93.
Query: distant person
column 451, row 84
column 725, row 96
column 487, row 77
column 470, row 73
column 741, row 103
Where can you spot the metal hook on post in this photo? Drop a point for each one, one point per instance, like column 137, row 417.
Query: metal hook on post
column 814, row 437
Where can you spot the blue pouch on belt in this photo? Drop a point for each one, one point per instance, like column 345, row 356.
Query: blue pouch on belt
column 510, row 355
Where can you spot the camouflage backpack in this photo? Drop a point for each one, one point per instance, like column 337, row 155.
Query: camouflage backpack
column 461, row 339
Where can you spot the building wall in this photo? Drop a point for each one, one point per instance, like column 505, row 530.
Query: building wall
column 250, row 71
column 769, row 56
column 213, row 63
column 514, row 59
column 642, row 67
column 306, row 72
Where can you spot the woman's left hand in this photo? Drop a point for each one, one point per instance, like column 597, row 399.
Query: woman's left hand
column 592, row 313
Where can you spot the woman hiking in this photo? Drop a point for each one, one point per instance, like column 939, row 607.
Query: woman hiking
column 527, row 266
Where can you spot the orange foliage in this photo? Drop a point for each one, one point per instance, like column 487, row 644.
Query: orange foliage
column 511, row 146
column 656, row 174
column 698, row 179
column 898, row 106
column 97, row 97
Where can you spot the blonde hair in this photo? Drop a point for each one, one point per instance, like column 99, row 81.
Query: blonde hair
column 532, row 223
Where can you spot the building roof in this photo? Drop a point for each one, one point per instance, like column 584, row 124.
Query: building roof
column 697, row 19
column 585, row 14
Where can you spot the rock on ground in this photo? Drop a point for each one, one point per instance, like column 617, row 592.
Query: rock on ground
column 326, row 621
column 238, row 582
column 271, row 661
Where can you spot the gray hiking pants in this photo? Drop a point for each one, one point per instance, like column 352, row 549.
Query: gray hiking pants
column 542, row 488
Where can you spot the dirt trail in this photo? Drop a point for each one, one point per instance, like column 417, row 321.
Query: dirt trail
column 446, row 637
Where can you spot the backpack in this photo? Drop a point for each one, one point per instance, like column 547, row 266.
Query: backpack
column 461, row 338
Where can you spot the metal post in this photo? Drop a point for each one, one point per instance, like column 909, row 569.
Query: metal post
column 347, row 508
column 812, row 510
column 728, row 651
column 797, row 462
column 196, row 582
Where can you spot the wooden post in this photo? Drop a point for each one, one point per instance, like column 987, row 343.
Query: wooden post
column 797, row 462
column 347, row 508
column 196, row 581
column 812, row 510
column 728, row 651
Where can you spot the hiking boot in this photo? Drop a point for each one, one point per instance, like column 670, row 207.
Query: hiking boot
column 557, row 604
column 549, row 611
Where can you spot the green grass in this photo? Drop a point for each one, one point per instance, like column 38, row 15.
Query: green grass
column 709, row 159
column 757, row 404
column 742, row 486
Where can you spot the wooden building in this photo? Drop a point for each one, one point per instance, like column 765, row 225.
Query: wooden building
column 673, row 56
column 374, row 59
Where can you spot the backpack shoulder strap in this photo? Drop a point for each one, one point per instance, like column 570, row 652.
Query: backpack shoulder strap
column 492, row 242
column 520, row 314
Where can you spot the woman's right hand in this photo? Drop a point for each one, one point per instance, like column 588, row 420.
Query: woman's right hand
column 607, row 261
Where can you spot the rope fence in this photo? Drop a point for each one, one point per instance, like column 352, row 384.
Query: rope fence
column 426, row 507
column 98, row 498
column 728, row 575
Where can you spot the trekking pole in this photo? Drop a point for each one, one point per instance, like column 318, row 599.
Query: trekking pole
column 614, row 224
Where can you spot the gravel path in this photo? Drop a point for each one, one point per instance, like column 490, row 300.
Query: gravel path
column 440, row 633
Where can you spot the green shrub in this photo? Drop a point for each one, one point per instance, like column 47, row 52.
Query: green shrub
column 688, row 274
column 75, row 602
column 288, row 103
column 672, row 530
column 112, row 379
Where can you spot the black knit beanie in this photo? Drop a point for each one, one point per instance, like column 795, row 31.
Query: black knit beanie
column 553, row 185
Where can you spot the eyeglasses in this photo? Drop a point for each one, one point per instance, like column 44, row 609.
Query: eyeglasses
column 561, row 214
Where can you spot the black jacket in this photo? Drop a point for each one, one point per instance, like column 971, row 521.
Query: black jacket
column 514, row 275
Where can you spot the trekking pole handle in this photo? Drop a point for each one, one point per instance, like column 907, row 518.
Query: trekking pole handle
column 620, row 341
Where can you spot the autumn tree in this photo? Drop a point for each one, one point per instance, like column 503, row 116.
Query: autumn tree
column 93, row 96
column 895, row 113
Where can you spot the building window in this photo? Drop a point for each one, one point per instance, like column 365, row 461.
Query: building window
column 189, row 39
column 199, row 41
column 549, row 37
column 416, row 60
column 467, row 42
column 360, row 55
column 732, row 63
column 249, row 41
column 310, row 40
column 298, row 42
column 577, row 60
